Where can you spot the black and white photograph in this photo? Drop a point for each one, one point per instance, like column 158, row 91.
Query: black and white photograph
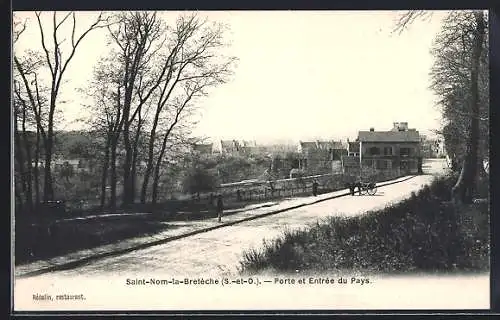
column 250, row 160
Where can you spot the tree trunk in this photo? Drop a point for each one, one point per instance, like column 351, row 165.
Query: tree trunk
column 156, row 176
column 462, row 192
column 149, row 164
column 36, row 169
column 127, row 163
column 105, row 169
column 48, row 188
column 156, row 180
column 113, row 182
column 129, row 87
column 145, row 182
column 20, row 161
column 29, row 182
column 19, row 204
column 135, row 154
column 48, row 191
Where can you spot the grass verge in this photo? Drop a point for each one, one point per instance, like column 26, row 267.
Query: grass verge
column 36, row 242
column 424, row 233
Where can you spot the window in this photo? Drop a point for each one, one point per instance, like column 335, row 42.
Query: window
column 382, row 164
column 367, row 163
column 388, row 151
column 374, row 151
column 405, row 152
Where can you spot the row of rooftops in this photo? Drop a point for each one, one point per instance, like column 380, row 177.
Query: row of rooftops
column 399, row 133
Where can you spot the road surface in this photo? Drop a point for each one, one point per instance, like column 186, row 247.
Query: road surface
column 218, row 252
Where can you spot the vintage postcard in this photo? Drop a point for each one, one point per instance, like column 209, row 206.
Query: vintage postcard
column 250, row 160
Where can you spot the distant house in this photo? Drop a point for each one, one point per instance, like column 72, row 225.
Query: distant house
column 320, row 155
column 248, row 147
column 203, row 148
column 431, row 148
column 398, row 148
column 75, row 163
column 353, row 148
column 228, row 146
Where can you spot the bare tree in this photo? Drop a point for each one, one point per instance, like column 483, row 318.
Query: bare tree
column 57, row 65
column 135, row 34
column 27, row 110
column 193, row 64
column 105, row 89
column 151, row 80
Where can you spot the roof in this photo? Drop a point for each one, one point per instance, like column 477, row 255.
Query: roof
column 338, row 145
column 247, row 143
column 321, row 145
column 308, row 144
column 411, row 135
column 203, row 146
column 353, row 146
column 228, row 144
column 330, row 145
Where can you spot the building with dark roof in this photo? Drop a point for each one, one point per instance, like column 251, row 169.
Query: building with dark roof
column 353, row 148
column 319, row 156
column 203, row 148
column 395, row 149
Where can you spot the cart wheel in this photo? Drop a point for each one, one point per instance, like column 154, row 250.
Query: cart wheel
column 364, row 190
column 372, row 190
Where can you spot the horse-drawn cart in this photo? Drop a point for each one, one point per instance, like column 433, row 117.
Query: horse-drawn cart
column 364, row 188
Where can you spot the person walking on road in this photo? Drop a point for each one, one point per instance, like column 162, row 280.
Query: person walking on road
column 220, row 207
column 315, row 188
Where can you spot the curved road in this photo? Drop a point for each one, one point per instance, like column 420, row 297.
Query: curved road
column 218, row 252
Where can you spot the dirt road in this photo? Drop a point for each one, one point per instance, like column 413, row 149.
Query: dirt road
column 218, row 252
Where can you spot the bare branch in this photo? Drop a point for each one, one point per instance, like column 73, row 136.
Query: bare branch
column 73, row 30
column 408, row 18
column 93, row 26
column 62, row 21
column 17, row 33
column 44, row 46
column 30, row 96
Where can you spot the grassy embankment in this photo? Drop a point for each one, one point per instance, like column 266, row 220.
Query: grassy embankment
column 424, row 233
column 51, row 237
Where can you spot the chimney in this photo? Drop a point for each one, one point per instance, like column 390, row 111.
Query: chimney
column 372, row 129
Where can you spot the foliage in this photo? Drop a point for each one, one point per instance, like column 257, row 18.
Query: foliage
column 199, row 180
column 452, row 51
column 234, row 168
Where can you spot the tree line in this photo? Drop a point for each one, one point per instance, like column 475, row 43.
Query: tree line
column 144, row 91
column 460, row 80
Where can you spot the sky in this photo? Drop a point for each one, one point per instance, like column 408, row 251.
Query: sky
column 301, row 75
